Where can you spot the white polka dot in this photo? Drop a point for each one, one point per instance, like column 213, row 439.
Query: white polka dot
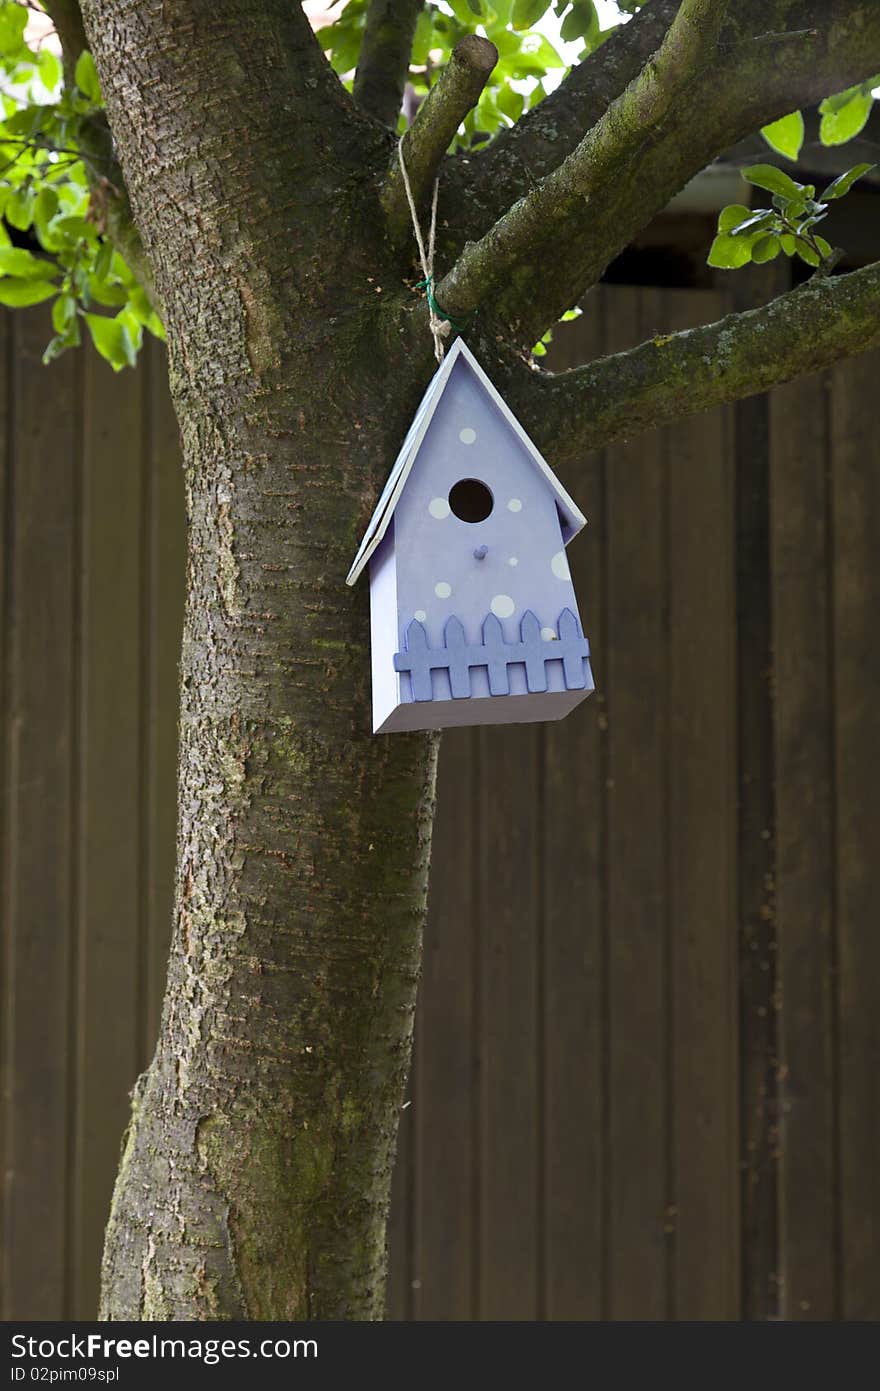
column 443, row 590
column 513, row 560
column 559, row 566
column 467, row 435
column 548, row 634
column 439, row 508
column 502, row 606
column 514, row 505
column 420, row 615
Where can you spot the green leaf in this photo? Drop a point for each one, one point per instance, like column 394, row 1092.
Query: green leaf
column 63, row 313
column 46, row 205
column 70, row 339
column 103, row 292
column 844, row 182
column 511, row 102
column 788, row 243
column 74, row 227
column 19, row 293
column 526, row 13
column 806, row 253
column 786, row 136
column 15, row 261
column 86, row 77
column 732, row 216
column 824, row 246
column 535, row 58
column 729, row 252
column 49, row 69
column 765, row 249
column 20, row 207
column 840, row 123
column 759, row 221
column 103, row 260
column 581, row 22
column 112, row 339
column 773, row 180
column 28, row 121
column 475, row 7
column 13, row 21
column 45, row 208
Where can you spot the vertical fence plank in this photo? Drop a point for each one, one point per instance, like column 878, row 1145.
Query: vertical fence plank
column 856, row 511
column 572, row 831
column 40, row 819
column 759, row 999
column 758, row 996
column 510, row 987
column 804, row 880
column 704, row 1217
column 111, row 908
column 635, row 660
column 444, row 1098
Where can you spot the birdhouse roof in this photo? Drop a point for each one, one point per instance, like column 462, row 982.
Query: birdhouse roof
column 572, row 518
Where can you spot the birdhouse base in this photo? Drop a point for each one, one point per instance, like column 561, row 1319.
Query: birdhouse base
column 509, row 709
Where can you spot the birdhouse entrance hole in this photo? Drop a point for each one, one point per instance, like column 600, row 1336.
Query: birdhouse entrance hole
column 470, row 500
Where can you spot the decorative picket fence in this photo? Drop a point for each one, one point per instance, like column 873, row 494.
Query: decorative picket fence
column 532, row 651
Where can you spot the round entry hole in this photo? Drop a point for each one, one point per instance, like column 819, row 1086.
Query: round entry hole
column 470, row 500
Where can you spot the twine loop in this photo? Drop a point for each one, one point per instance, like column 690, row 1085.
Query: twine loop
column 439, row 323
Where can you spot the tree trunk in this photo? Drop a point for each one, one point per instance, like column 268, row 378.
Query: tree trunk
column 255, row 1175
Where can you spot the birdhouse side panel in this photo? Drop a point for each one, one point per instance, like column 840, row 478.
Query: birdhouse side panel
column 383, row 630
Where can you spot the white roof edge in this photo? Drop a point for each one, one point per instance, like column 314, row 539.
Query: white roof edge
column 396, row 480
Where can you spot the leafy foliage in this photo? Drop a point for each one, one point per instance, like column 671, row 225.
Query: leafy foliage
column 842, row 118
column 53, row 198
column 789, row 225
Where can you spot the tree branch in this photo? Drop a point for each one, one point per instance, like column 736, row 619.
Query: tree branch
column 453, row 95
column 762, row 71
column 384, row 57
column 67, row 19
column 516, row 158
column 668, row 377
column 569, row 190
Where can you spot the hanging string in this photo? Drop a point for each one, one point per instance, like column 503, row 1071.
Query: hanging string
column 439, row 323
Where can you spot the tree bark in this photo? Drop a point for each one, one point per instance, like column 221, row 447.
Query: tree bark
column 267, row 1120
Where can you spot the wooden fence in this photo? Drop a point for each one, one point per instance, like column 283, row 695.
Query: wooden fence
column 646, row 1082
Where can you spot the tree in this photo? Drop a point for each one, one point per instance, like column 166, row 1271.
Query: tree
column 224, row 182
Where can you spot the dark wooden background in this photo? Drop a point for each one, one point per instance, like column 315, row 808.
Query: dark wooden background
column 646, row 1081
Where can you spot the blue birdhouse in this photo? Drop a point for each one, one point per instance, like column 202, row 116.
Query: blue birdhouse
column 474, row 618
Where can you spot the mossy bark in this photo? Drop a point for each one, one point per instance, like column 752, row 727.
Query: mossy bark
column 255, row 1175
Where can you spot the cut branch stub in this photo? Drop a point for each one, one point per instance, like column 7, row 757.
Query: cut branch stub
column 455, row 93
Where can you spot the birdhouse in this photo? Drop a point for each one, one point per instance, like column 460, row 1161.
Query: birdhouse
column 474, row 618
